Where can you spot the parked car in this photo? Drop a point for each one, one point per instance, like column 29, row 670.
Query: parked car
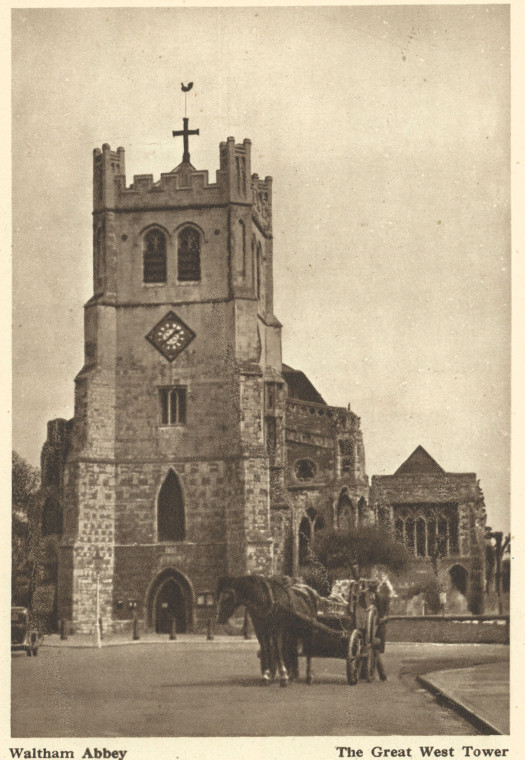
column 24, row 636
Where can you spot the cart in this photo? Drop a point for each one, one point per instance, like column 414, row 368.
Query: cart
column 352, row 631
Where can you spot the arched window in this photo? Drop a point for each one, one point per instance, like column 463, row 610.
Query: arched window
column 259, row 270
column 254, row 263
column 100, row 258
column 410, row 534
column 309, row 525
column 170, row 510
column 242, row 236
column 346, row 457
column 189, row 255
column 361, row 510
column 453, row 533
column 431, row 536
column 305, row 534
column 400, row 529
column 345, row 513
column 51, row 518
column 421, row 537
column 442, row 536
column 155, row 269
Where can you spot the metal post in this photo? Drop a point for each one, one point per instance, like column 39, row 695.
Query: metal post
column 63, row 630
column 136, row 635
column 173, row 629
column 498, row 535
column 209, row 633
column 97, row 616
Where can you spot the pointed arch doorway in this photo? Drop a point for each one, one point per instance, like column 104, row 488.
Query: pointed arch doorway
column 170, row 598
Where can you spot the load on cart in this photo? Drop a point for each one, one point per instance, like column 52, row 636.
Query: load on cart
column 291, row 619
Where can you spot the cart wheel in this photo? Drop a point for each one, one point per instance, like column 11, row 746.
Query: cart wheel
column 369, row 663
column 353, row 658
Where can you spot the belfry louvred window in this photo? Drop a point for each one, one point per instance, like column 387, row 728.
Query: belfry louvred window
column 172, row 406
column 189, row 255
column 155, row 269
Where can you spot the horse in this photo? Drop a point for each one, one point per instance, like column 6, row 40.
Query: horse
column 279, row 614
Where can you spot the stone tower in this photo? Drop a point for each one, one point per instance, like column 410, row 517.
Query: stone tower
column 178, row 421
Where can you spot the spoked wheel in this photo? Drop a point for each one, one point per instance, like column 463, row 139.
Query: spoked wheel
column 353, row 657
column 369, row 661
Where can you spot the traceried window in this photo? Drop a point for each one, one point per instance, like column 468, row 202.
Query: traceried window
column 172, row 405
column 421, row 537
column 346, row 457
column 170, row 510
column 189, row 255
column 155, row 269
column 428, row 532
column 271, row 436
column 346, row 517
column 311, row 523
column 305, row 469
column 410, row 534
column 271, row 396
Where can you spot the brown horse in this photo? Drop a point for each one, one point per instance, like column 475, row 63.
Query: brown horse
column 279, row 614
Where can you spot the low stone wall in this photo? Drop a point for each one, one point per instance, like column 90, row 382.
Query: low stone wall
column 449, row 629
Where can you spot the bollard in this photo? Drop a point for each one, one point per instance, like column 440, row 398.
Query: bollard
column 209, row 633
column 136, row 635
column 100, row 628
column 173, row 629
column 63, row 630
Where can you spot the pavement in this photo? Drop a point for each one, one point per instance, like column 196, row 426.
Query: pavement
column 479, row 693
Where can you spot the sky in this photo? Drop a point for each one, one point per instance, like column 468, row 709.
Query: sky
column 386, row 131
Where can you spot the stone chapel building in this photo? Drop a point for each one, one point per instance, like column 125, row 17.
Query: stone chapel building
column 439, row 516
column 193, row 451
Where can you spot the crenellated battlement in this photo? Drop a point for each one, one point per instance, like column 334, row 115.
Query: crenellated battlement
column 262, row 201
column 184, row 185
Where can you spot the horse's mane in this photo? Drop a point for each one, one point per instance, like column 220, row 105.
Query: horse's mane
column 224, row 582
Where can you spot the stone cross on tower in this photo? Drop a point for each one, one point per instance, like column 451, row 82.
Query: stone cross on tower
column 185, row 132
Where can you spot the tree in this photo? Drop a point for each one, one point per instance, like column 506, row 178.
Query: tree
column 475, row 595
column 497, row 545
column 349, row 553
column 25, row 482
column 490, row 559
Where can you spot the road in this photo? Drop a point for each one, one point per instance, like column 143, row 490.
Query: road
column 212, row 689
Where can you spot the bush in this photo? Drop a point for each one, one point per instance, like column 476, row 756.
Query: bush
column 353, row 552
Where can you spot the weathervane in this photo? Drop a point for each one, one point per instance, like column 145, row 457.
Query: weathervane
column 185, row 131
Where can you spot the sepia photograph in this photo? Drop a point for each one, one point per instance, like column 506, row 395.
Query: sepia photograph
column 261, row 357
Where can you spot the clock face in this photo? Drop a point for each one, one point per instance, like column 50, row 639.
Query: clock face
column 170, row 336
